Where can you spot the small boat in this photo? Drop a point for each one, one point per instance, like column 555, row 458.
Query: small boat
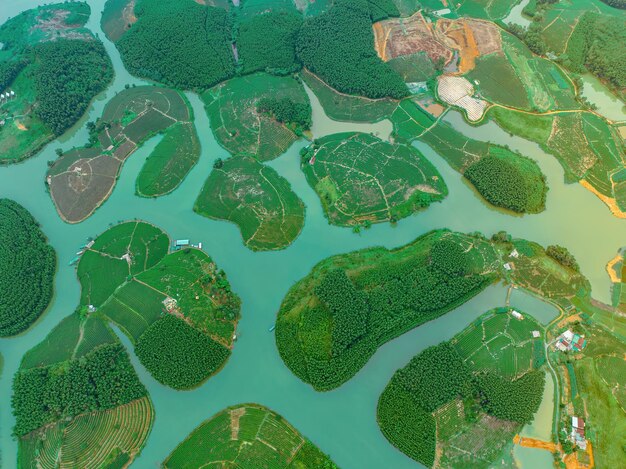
column 74, row 261
column 272, row 328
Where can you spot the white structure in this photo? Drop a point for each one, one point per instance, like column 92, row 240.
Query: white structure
column 568, row 335
column 507, row 266
column 514, row 254
column 458, row 91
column 536, row 334
column 517, row 315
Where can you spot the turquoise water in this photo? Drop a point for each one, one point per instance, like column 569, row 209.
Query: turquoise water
column 341, row 422
column 607, row 103
column 542, row 311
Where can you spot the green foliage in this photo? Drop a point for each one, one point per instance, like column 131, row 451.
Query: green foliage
column 563, row 256
column 338, row 46
column 347, row 307
column 267, row 42
column 68, row 74
column 395, row 290
column 621, row 4
column 509, row 181
column 449, row 257
column 27, row 267
column 597, row 44
column 101, row 380
column 178, row 355
column 287, row 111
column 182, row 44
column 516, row 400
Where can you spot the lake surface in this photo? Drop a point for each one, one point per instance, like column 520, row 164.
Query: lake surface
column 341, row 422
column 516, row 16
column 607, row 103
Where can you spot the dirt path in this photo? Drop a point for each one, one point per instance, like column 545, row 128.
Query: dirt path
column 610, row 271
column 535, row 443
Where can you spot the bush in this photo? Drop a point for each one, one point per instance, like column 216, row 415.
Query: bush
column 27, row 268
column 287, row 111
column 563, row 257
column 178, row 355
column 338, row 46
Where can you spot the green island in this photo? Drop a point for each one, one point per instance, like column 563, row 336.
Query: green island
column 362, row 179
column 243, row 118
column 461, row 402
column 503, row 178
column 333, row 320
column 256, row 198
column 27, row 267
column 176, row 307
column 247, row 435
column 81, row 179
column 78, row 401
column 51, row 68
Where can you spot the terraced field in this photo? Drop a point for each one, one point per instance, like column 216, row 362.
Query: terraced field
column 236, row 123
column 110, row 438
column 83, row 178
column 361, row 179
column 247, row 436
column 257, row 199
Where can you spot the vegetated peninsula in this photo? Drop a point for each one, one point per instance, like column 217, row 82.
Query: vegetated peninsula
column 462, row 401
column 176, row 307
column 27, row 268
column 247, row 435
column 78, row 401
column 256, row 198
column 51, row 67
column 361, row 179
column 333, row 320
column 83, row 178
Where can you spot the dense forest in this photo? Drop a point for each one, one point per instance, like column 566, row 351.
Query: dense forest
column 621, row 4
column 338, row 46
column 510, row 181
column 437, row 376
column 597, row 44
column 67, row 75
column 100, row 380
column 27, row 267
column 563, row 256
column 178, row 355
column 267, row 42
column 182, row 44
column 287, row 111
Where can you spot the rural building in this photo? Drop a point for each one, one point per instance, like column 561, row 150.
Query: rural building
column 536, row 334
column 568, row 341
column 507, row 266
column 578, row 433
column 517, row 315
column 514, row 254
column 442, row 12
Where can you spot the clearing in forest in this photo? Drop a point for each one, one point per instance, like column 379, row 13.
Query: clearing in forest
column 248, row 435
column 237, row 124
column 257, row 199
column 361, row 179
column 83, row 178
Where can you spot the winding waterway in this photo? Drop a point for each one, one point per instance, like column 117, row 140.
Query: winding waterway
column 342, row 422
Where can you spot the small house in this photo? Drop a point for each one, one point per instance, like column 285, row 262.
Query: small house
column 507, row 266
column 578, row 433
column 536, row 334
column 517, row 315
column 514, row 254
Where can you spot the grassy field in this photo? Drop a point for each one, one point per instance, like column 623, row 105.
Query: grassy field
column 361, row 179
column 130, row 278
column 247, row 436
column 257, row 199
column 343, row 107
column 83, row 178
column 110, row 438
column 237, row 125
column 411, row 122
column 487, row 9
column 402, row 288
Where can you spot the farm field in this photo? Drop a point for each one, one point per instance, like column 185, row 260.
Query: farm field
column 27, row 269
column 345, row 107
column 520, row 186
column 92, row 425
column 326, row 332
column 38, row 104
column 83, row 178
column 177, row 308
column 586, row 145
column 361, row 179
column 237, row 124
column 448, row 426
column 257, row 199
column 247, row 435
